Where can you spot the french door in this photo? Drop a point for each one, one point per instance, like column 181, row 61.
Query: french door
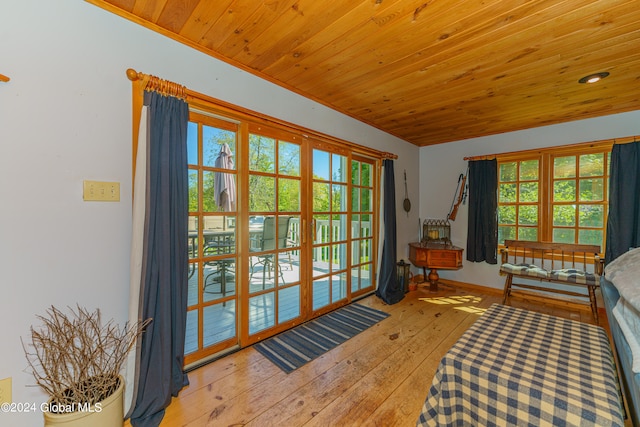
column 280, row 231
column 275, row 189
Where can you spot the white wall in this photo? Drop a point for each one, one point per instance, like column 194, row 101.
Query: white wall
column 440, row 166
column 65, row 117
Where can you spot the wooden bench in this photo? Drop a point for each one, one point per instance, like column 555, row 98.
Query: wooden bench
column 563, row 263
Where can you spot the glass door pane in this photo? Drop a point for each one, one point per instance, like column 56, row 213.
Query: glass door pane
column 275, row 189
column 330, row 249
column 211, row 304
column 362, row 225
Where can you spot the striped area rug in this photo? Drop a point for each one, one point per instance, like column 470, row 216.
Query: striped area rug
column 295, row 347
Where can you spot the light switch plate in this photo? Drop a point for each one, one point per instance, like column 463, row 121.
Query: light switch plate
column 5, row 390
column 100, row 191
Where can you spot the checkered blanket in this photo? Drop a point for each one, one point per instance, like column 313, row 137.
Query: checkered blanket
column 521, row 368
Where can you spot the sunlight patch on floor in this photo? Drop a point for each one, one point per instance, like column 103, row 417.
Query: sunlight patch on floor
column 453, row 299
column 472, row 310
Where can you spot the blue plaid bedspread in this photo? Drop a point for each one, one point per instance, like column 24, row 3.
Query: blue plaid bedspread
column 521, row 368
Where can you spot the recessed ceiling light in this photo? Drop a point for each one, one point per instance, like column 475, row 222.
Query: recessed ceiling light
column 592, row 78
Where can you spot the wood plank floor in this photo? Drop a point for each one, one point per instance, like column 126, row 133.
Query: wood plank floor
column 378, row 378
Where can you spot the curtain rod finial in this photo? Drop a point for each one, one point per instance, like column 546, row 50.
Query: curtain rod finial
column 132, row 74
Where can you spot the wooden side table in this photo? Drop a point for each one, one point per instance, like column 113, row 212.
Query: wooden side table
column 435, row 256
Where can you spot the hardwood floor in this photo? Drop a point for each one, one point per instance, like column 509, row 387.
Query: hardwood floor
column 377, row 378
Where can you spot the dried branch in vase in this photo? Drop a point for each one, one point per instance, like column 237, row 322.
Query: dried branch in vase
column 75, row 358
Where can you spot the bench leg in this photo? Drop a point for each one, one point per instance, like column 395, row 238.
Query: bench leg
column 594, row 303
column 507, row 288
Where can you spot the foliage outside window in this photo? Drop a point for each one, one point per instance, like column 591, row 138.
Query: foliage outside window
column 556, row 195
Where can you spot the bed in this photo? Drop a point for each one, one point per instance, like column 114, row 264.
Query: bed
column 620, row 288
column 522, row 368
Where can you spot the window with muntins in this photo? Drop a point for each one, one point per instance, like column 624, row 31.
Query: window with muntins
column 555, row 195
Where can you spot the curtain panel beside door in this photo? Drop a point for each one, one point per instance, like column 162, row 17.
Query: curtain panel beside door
column 159, row 260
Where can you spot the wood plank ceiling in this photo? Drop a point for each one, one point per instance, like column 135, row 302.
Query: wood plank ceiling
column 427, row 71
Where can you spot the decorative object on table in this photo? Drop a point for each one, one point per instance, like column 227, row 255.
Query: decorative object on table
column 77, row 360
column 404, row 275
column 436, row 231
column 461, row 191
column 406, row 203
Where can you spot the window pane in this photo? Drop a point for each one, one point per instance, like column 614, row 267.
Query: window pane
column 262, row 153
column 339, row 287
column 261, row 312
column 529, row 170
column 365, row 250
column 564, row 191
column 529, row 192
column 355, row 226
column 528, row 233
column 355, row 279
column 506, row 233
column 321, row 233
column 339, row 227
column 355, row 252
column 365, row 226
column 193, row 236
column 289, row 159
column 289, row 303
column 339, row 170
column 591, row 237
column 365, row 276
column 564, row 235
column 219, row 323
column 507, row 214
column 591, row 216
column 339, row 198
column 507, row 193
column 564, row 167
column 508, row 171
column 592, row 190
column 320, row 293
column 339, row 258
column 528, row 215
column 355, row 199
column 191, row 338
column 564, row 215
column 208, row 193
column 365, row 175
column 192, row 143
column 288, row 195
column 592, row 164
column 212, row 140
column 321, row 165
column 193, row 190
column 262, row 193
column 355, row 172
column 320, row 197
column 366, row 204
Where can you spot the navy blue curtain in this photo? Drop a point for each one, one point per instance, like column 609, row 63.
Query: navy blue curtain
column 165, row 262
column 389, row 289
column 623, row 223
column 482, row 233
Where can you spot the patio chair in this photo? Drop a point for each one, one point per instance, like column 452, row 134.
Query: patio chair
column 217, row 243
column 269, row 242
